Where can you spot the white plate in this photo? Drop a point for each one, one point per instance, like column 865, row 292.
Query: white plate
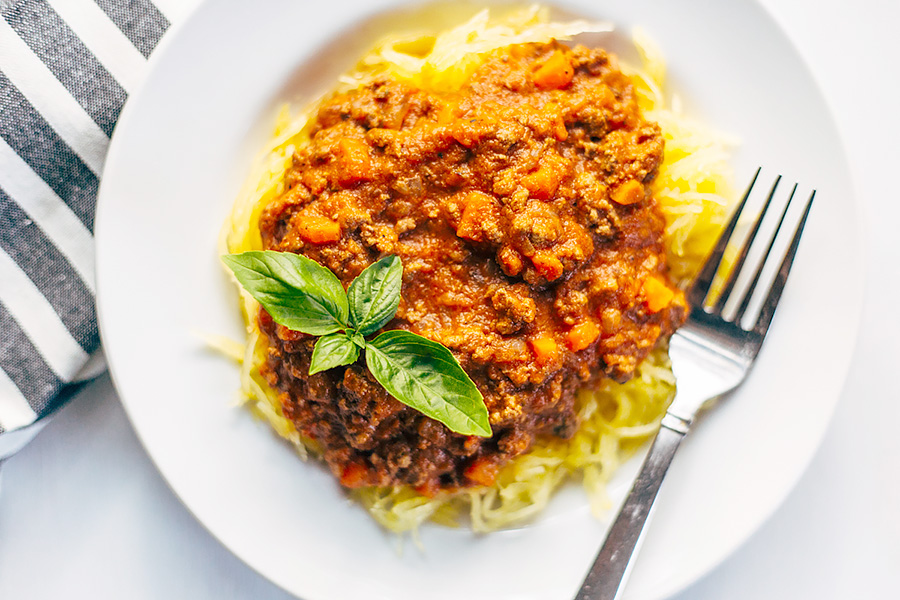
column 177, row 158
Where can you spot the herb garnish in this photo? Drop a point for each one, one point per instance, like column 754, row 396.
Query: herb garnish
column 304, row 296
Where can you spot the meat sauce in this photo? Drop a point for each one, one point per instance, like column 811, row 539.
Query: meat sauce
column 531, row 245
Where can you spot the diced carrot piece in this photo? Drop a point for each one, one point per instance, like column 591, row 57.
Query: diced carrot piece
column 482, row 471
column 582, row 335
column 557, row 72
column 354, row 162
column 657, row 294
column 560, row 131
column 547, row 264
column 429, row 489
column 477, row 211
column 317, row 229
column 354, row 475
column 630, row 192
column 543, row 182
column 544, row 347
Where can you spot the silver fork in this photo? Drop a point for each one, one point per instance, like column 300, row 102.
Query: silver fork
column 711, row 355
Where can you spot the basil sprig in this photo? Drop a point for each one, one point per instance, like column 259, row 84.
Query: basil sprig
column 304, row 296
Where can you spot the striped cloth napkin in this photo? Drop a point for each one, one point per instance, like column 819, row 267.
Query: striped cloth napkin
column 66, row 68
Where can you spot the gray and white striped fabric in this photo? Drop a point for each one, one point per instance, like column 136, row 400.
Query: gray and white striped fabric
column 66, row 68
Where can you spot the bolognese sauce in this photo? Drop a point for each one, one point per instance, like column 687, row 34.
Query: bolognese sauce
column 531, row 245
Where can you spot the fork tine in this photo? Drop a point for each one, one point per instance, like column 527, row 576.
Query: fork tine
column 739, row 315
column 771, row 302
column 739, row 263
column 697, row 294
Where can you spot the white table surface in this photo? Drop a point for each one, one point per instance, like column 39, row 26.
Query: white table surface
column 84, row 513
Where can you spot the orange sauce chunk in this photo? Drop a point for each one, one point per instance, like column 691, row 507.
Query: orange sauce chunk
column 544, row 348
column 630, row 192
column 318, row 229
column 547, row 264
column 657, row 294
column 354, row 163
column 482, row 471
column 556, row 73
column 582, row 335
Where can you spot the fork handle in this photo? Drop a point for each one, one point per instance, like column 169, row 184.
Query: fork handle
column 607, row 577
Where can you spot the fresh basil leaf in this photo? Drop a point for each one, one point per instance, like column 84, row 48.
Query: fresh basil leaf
column 297, row 291
column 426, row 376
column 375, row 295
column 332, row 351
